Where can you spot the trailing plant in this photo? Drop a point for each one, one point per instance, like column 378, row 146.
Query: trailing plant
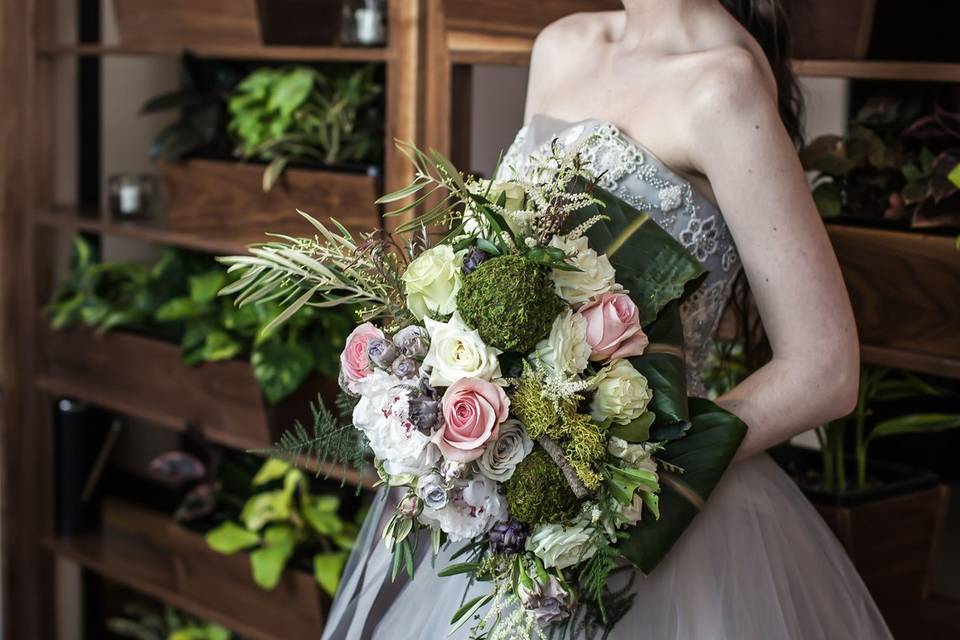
column 145, row 622
column 202, row 100
column 284, row 517
column 899, row 161
column 176, row 298
column 876, row 385
column 300, row 114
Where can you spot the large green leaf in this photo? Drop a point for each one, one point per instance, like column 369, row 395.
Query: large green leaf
column 911, row 424
column 664, row 369
column 280, row 368
column 269, row 561
column 703, row 454
column 230, row 537
column 649, row 262
column 327, row 568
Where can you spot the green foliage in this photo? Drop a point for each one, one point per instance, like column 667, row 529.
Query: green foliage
column 876, row 385
column 201, row 99
column 144, row 622
column 510, row 301
column 282, row 517
column 537, row 492
column 329, row 441
column 299, row 114
column 177, row 296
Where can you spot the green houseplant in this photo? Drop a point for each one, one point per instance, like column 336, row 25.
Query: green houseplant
column 300, row 114
column 144, row 622
column 175, row 298
column 281, row 518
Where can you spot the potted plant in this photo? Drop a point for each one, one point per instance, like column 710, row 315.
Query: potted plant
column 887, row 516
column 319, row 133
column 141, row 621
column 890, row 189
column 236, row 382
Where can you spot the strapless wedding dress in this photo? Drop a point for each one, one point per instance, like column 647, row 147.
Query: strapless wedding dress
column 757, row 564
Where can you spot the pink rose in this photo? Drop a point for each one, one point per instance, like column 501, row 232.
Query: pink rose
column 613, row 327
column 354, row 362
column 472, row 410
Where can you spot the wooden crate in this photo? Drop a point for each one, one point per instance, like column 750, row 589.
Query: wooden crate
column 227, row 199
column 147, row 378
column 893, row 542
column 186, row 23
column 905, row 290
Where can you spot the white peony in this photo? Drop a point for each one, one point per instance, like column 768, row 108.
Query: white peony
column 457, row 351
column 561, row 546
column 432, row 281
column 472, row 508
column 383, row 415
column 596, row 274
column 622, row 394
column 565, row 350
column 502, row 456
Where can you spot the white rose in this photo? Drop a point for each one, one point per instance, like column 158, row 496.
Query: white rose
column 457, row 351
column 566, row 350
column 596, row 274
column 502, row 456
column 561, row 546
column 432, row 281
column 622, row 394
column 472, row 508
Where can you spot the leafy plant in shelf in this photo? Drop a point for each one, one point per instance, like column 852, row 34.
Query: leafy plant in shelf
column 300, row 114
column 282, row 517
column 202, row 97
column 143, row 622
column 876, row 385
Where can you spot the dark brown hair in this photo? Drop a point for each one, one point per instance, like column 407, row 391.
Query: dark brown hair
column 768, row 22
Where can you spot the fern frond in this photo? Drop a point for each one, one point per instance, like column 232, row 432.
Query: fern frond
column 330, row 442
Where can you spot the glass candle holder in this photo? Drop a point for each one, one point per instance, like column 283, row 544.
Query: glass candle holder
column 132, row 196
column 364, row 23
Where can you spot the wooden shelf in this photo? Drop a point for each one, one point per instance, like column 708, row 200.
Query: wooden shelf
column 138, row 549
column 306, row 54
column 879, row 70
column 145, row 231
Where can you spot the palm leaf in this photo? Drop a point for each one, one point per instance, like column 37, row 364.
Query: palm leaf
column 649, row 262
column 704, row 454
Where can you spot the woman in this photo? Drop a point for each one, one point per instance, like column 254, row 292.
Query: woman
column 716, row 113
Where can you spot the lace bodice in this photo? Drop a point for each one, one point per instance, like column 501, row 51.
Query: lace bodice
column 632, row 173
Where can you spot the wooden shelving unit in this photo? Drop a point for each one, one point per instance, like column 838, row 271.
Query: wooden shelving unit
column 433, row 45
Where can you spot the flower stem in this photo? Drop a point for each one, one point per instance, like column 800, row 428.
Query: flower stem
column 556, row 453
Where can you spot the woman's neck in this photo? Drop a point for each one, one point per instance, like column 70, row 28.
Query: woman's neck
column 655, row 22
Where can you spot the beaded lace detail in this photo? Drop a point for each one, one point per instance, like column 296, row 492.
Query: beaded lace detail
column 624, row 167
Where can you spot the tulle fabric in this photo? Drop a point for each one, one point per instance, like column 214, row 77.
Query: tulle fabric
column 757, row 563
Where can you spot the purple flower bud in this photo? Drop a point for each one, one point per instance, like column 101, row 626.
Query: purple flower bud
column 508, row 537
column 423, row 413
column 381, row 352
column 413, row 341
column 410, row 506
column 404, row 367
column 472, row 259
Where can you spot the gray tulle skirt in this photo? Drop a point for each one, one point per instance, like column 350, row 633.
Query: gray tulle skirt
column 757, row 563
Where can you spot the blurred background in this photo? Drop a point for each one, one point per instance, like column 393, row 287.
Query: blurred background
column 141, row 139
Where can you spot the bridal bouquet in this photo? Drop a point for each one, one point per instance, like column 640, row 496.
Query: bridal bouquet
column 521, row 380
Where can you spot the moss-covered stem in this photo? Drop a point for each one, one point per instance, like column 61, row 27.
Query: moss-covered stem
column 556, row 453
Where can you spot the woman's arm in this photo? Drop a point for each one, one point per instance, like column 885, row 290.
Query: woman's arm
column 752, row 165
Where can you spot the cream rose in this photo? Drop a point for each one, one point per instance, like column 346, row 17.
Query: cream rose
column 502, row 456
column 432, row 281
column 638, row 455
column 561, row 546
column 622, row 394
column 596, row 275
column 565, row 349
column 457, row 351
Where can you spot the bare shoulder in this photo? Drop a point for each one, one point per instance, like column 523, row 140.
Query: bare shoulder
column 576, row 29
column 730, row 80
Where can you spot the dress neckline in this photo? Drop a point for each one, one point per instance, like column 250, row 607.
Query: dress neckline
column 639, row 146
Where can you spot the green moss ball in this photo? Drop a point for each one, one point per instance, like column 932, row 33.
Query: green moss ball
column 537, row 492
column 510, row 301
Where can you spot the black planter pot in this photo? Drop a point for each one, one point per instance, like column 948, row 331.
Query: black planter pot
column 81, row 431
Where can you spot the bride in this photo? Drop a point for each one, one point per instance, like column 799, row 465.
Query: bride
column 706, row 88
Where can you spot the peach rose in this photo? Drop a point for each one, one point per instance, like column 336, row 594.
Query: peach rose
column 472, row 410
column 354, row 362
column 613, row 327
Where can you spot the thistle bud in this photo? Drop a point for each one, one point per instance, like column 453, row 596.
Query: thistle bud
column 381, row 352
column 413, row 341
